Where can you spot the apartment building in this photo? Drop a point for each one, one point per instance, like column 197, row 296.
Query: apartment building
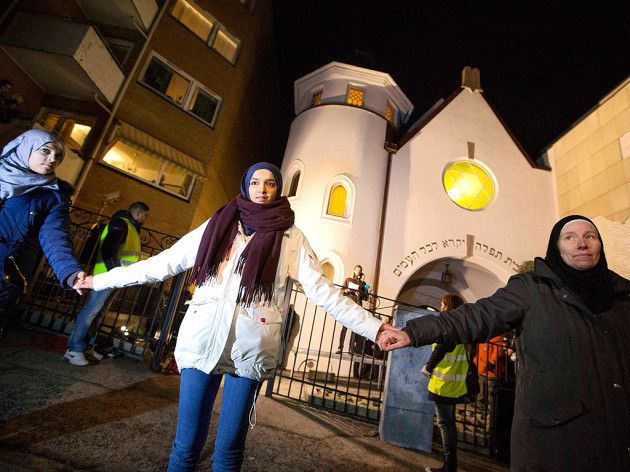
column 164, row 101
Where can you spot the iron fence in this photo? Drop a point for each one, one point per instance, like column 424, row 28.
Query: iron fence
column 143, row 322
column 350, row 382
column 134, row 322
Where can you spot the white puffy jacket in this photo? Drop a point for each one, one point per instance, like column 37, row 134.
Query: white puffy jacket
column 220, row 337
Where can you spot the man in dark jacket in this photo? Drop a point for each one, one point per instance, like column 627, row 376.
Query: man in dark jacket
column 119, row 246
column 572, row 405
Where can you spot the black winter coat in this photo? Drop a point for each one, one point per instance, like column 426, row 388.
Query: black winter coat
column 572, row 406
column 38, row 218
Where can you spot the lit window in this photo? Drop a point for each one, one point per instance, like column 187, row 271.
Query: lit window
column 317, row 98
column 71, row 132
column 203, row 25
column 389, row 113
column 163, row 79
column 134, row 162
column 329, row 270
column 337, row 201
column 468, row 185
column 150, row 169
column 355, row 97
column 193, row 19
column 226, row 45
column 295, row 180
column 51, row 121
column 182, row 90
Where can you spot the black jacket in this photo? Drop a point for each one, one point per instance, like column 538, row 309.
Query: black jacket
column 572, row 407
column 116, row 235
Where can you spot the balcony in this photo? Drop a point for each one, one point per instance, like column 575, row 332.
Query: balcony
column 130, row 14
column 64, row 58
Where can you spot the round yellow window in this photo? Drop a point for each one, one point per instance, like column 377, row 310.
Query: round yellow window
column 468, row 185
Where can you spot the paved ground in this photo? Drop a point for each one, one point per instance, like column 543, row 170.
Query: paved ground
column 119, row 416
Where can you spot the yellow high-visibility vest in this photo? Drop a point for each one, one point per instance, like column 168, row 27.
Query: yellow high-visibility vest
column 128, row 252
column 448, row 379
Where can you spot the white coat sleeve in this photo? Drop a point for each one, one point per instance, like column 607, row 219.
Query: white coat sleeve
column 317, row 288
column 178, row 258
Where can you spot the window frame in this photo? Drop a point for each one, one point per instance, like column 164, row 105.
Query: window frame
column 190, row 91
column 294, row 168
column 160, row 173
column 482, row 166
column 362, row 88
column 348, row 185
column 214, row 31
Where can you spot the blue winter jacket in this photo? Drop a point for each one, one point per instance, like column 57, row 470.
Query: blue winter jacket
column 38, row 218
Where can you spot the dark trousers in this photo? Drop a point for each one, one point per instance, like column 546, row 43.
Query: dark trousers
column 448, row 430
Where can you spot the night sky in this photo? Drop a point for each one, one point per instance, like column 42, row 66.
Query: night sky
column 542, row 64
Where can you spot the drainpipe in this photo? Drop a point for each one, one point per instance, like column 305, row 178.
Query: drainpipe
column 123, row 88
column 391, row 150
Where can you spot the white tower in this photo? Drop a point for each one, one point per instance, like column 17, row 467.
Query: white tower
column 335, row 163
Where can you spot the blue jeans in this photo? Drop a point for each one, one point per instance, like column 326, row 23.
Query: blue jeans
column 197, row 393
column 85, row 328
column 446, row 422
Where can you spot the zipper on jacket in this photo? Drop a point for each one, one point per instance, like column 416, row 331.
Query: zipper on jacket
column 25, row 286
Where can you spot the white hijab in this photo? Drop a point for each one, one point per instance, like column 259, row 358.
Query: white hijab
column 16, row 177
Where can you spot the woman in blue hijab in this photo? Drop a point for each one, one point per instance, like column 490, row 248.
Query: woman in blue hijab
column 34, row 214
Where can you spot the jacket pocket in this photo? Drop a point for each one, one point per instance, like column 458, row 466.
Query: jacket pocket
column 257, row 339
column 550, row 399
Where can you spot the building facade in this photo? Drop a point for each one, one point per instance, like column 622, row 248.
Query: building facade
column 453, row 205
column 161, row 101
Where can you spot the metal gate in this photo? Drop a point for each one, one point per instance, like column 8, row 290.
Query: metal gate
column 136, row 322
column 350, row 382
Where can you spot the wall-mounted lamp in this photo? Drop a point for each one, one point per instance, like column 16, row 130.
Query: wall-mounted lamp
column 447, row 276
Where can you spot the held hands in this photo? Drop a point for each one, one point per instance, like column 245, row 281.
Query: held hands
column 385, row 328
column 393, row 339
column 78, row 282
column 83, row 282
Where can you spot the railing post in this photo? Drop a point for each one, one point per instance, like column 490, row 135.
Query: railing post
column 167, row 324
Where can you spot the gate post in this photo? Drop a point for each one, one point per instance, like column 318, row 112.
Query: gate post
column 167, row 324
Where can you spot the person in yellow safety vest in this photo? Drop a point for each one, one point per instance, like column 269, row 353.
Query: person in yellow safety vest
column 119, row 246
column 447, row 369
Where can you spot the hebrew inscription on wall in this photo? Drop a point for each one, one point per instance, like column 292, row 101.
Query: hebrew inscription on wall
column 419, row 255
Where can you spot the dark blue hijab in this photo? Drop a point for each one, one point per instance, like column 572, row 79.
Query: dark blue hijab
column 245, row 185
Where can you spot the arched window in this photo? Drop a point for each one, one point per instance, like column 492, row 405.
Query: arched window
column 337, row 201
column 329, row 270
column 295, row 180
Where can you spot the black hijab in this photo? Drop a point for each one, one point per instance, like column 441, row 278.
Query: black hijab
column 594, row 285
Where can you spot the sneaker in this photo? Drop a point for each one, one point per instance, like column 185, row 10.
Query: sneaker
column 95, row 355
column 75, row 358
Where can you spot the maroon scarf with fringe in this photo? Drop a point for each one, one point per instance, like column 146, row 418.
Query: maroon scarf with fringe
column 259, row 261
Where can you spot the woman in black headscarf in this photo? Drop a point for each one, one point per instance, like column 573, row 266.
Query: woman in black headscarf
column 572, row 406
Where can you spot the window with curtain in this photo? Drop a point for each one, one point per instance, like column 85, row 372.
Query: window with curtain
column 226, row 45
column 206, row 27
column 337, row 201
column 185, row 92
column 149, row 169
